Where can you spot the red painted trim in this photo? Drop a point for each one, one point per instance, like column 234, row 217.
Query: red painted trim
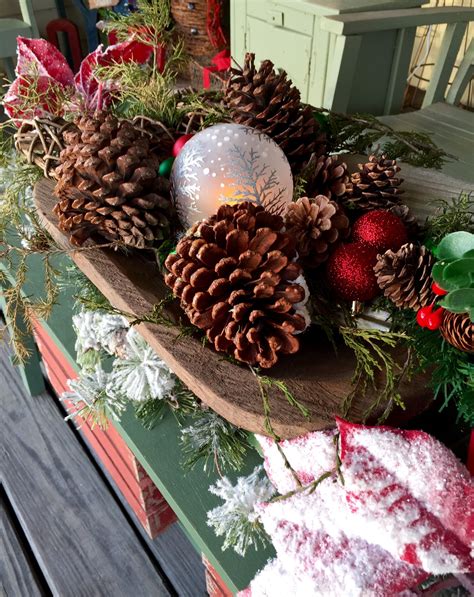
column 216, row 587
column 147, row 502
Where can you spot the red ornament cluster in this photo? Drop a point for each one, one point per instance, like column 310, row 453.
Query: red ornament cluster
column 350, row 269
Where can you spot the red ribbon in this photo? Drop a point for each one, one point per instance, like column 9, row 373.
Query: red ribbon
column 220, row 62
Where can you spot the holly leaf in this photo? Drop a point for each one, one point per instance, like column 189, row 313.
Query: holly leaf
column 455, row 245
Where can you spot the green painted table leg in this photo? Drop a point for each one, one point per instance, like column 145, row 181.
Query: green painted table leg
column 30, row 371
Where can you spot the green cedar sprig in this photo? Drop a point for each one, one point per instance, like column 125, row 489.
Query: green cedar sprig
column 372, row 349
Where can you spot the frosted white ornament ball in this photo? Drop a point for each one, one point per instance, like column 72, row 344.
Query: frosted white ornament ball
column 229, row 163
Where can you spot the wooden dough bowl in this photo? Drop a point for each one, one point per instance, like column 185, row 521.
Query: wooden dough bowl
column 317, row 377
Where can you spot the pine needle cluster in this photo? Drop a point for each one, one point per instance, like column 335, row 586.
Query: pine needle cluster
column 215, row 442
column 360, row 133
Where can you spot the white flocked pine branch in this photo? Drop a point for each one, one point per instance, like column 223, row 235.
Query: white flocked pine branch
column 236, row 519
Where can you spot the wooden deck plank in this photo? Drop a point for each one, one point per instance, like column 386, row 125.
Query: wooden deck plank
column 16, row 574
column 449, row 127
column 176, row 484
column 78, row 534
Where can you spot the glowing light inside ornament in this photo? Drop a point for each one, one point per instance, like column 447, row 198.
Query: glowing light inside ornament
column 229, row 163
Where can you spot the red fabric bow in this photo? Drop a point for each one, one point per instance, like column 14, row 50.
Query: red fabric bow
column 220, row 62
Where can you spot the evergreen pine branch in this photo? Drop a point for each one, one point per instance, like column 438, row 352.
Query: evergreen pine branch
column 215, row 441
column 359, row 133
column 451, row 216
column 181, row 404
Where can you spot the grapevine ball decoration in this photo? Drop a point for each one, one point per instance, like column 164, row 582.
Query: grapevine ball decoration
column 381, row 230
column 237, row 280
column 350, row 272
column 229, row 163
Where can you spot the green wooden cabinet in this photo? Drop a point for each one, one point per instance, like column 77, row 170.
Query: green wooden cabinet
column 338, row 71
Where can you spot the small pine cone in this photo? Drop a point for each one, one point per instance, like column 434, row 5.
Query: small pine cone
column 375, row 186
column 269, row 102
column 405, row 276
column 108, row 186
column 236, row 278
column 315, row 224
column 411, row 222
column 326, row 176
column 458, row 330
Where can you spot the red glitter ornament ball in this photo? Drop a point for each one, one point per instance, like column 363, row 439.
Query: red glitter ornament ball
column 350, row 272
column 381, row 230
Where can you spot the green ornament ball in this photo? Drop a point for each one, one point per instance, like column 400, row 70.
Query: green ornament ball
column 165, row 167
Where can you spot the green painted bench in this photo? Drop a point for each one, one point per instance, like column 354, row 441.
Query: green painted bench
column 10, row 29
column 344, row 55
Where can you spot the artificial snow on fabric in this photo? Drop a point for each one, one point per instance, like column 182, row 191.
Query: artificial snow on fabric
column 405, row 511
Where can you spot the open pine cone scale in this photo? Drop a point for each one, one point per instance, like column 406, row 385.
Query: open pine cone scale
column 237, row 280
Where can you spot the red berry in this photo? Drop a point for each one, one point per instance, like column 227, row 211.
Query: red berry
column 435, row 319
column 423, row 315
column 438, row 290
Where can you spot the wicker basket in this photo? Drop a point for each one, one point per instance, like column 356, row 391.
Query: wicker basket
column 191, row 26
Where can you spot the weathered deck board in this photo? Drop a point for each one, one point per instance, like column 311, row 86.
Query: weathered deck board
column 80, row 538
column 452, row 129
column 16, row 574
column 318, row 377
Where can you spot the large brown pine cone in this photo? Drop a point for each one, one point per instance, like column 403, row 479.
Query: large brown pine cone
column 268, row 101
column 327, row 176
column 236, row 277
column 108, row 186
column 375, row 186
column 315, row 224
column 405, row 276
column 458, row 330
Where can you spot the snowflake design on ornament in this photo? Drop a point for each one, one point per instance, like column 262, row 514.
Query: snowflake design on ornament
column 190, row 187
